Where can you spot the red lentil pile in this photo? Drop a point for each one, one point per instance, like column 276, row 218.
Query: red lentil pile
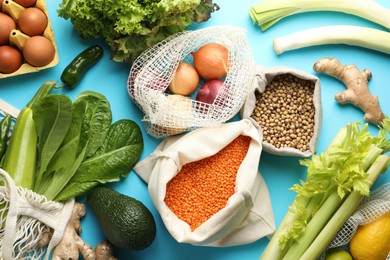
column 202, row 188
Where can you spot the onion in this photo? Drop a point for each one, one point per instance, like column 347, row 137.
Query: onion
column 185, row 80
column 211, row 61
column 209, row 91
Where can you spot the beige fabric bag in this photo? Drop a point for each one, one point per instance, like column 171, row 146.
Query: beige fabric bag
column 248, row 215
column 263, row 76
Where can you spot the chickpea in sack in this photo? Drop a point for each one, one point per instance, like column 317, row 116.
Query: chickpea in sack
column 192, row 79
column 206, row 186
column 285, row 106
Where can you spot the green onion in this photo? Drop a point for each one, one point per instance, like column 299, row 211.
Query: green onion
column 269, row 12
column 336, row 34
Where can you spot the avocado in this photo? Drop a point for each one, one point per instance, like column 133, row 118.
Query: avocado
column 125, row 221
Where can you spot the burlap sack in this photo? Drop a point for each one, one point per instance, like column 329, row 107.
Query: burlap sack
column 248, row 214
column 262, row 77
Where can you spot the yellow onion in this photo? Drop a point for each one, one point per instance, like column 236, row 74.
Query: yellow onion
column 185, row 80
column 211, row 61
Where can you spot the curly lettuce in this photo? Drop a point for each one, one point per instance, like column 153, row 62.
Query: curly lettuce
column 131, row 26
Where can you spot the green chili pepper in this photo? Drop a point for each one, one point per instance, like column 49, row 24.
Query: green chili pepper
column 5, row 125
column 76, row 69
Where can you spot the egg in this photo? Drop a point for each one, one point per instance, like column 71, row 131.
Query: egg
column 10, row 59
column 32, row 21
column 26, row 3
column 7, row 24
column 38, row 51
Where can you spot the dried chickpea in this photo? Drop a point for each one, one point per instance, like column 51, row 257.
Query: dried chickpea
column 285, row 111
column 202, row 188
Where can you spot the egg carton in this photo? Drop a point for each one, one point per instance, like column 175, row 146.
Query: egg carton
column 17, row 38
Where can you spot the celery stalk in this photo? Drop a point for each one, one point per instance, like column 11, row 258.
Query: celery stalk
column 269, row 12
column 336, row 34
column 331, row 176
column 325, row 212
column 274, row 249
column 314, row 227
column 341, row 216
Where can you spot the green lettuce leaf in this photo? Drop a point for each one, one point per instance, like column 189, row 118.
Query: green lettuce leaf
column 129, row 27
column 116, row 158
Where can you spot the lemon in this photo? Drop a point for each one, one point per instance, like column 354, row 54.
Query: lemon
column 371, row 241
column 338, row 254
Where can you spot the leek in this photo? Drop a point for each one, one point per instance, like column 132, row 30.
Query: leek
column 269, row 12
column 348, row 166
column 335, row 34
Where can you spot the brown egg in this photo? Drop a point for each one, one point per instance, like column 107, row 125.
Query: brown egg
column 25, row 3
column 32, row 21
column 10, row 59
column 7, row 24
column 38, row 51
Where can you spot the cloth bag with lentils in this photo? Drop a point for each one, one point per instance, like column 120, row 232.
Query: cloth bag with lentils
column 206, row 186
column 285, row 106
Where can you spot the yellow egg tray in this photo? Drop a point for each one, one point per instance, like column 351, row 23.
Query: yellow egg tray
column 17, row 38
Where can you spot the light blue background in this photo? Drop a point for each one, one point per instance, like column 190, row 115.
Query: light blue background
column 280, row 173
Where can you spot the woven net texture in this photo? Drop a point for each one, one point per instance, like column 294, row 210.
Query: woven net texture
column 26, row 234
column 372, row 207
column 154, row 69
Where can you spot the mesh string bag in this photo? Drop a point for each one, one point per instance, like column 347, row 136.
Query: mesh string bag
column 24, row 217
column 153, row 70
column 370, row 208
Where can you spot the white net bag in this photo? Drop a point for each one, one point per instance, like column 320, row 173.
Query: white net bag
column 372, row 207
column 24, row 217
column 154, row 69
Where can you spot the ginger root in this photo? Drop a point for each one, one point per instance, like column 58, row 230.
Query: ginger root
column 357, row 92
column 105, row 251
column 46, row 237
column 71, row 244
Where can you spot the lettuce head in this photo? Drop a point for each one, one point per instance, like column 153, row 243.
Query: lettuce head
column 131, row 26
